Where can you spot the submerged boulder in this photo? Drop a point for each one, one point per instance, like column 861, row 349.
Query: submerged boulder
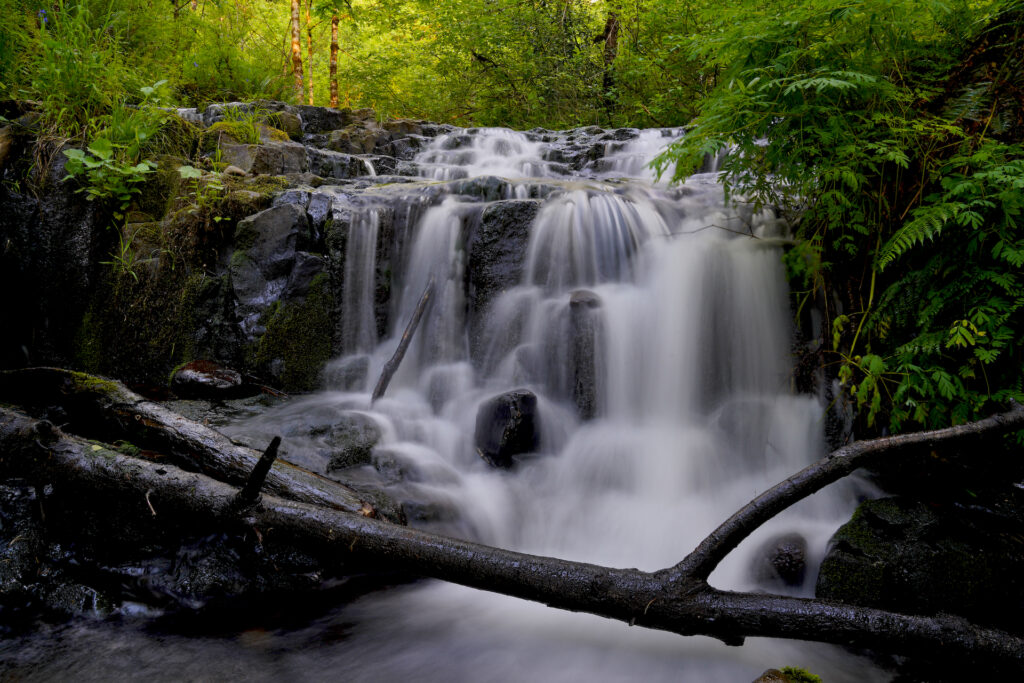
column 781, row 560
column 351, row 440
column 507, row 425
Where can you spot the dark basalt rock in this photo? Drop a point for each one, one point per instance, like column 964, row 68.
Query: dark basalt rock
column 781, row 560
column 506, row 426
column 584, row 338
column 496, row 252
column 907, row 556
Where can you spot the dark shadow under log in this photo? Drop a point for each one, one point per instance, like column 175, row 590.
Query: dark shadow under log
column 676, row 599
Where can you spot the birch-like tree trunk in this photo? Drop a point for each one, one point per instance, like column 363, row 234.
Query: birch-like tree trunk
column 334, row 61
column 309, row 50
column 297, row 50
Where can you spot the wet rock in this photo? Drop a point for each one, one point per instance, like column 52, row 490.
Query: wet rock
column 495, row 254
column 507, row 425
column 207, row 379
column 781, row 560
column 907, row 556
column 584, row 332
column 351, row 440
column 772, row 676
column 324, row 119
column 263, row 260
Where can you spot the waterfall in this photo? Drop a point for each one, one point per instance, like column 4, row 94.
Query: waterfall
column 652, row 324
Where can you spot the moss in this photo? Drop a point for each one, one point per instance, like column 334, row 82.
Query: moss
column 797, row 674
column 86, row 382
column 138, row 331
column 297, row 343
column 236, row 132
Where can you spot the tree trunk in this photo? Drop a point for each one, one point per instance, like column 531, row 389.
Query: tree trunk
column 107, row 411
column 334, row 61
column 611, row 51
column 309, row 49
column 674, row 600
column 297, row 50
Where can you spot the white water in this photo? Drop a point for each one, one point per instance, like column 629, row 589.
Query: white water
column 695, row 417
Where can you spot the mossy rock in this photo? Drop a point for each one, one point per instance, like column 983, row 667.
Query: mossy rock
column 297, row 343
column 908, row 556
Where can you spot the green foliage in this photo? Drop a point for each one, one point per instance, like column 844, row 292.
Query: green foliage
column 845, row 117
column 206, row 192
column 107, row 177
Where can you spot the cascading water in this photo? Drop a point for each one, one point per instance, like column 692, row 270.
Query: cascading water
column 652, row 324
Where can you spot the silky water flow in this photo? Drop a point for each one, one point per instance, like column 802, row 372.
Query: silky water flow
column 688, row 394
column 651, row 322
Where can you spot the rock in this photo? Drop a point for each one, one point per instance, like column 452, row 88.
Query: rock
column 6, row 144
column 207, row 379
column 351, row 440
column 235, row 171
column 781, row 560
column 507, row 425
column 772, row 676
column 270, row 158
column 907, row 556
column 403, row 127
column 495, row 254
column 267, row 266
column 584, row 338
column 289, row 122
column 358, row 139
column 332, row 164
column 323, row 119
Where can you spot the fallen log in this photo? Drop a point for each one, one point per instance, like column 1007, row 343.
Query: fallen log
column 677, row 599
column 107, row 411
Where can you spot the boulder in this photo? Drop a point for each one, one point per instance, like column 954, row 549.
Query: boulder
column 351, row 440
column 207, row 379
column 908, row 556
column 269, row 158
column 495, row 255
column 584, row 337
column 506, row 426
column 782, row 560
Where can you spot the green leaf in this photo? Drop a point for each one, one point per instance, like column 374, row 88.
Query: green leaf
column 102, row 148
column 189, row 172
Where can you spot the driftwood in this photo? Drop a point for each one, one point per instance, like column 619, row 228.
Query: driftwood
column 677, row 599
column 403, row 345
column 105, row 410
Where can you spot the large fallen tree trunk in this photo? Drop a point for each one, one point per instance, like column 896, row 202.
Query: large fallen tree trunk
column 676, row 599
column 107, row 411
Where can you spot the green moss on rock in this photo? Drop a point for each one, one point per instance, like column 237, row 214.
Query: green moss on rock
column 297, row 343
